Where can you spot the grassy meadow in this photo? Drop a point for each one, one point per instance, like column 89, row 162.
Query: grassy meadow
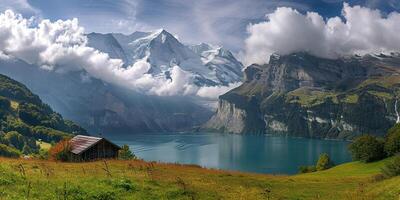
column 114, row 179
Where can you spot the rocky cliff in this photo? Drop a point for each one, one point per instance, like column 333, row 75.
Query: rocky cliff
column 303, row 95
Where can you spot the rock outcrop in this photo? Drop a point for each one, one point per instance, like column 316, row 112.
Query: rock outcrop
column 303, row 95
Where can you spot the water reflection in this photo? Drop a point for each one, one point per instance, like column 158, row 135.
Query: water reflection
column 251, row 153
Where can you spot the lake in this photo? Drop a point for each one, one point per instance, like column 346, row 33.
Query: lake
column 247, row 153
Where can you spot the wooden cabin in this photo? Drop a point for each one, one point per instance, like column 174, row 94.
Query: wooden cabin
column 88, row 148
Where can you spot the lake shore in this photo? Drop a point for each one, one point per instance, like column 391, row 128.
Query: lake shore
column 248, row 153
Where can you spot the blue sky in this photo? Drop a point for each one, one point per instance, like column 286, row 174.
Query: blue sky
column 221, row 22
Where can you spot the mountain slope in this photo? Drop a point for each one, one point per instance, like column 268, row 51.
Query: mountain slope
column 303, row 95
column 221, row 61
column 104, row 108
column 107, row 43
column 24, row 118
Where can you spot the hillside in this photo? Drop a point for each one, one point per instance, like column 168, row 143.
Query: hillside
column 25, row 119
column 37, row 179
column 105, row 108
column 303, row 95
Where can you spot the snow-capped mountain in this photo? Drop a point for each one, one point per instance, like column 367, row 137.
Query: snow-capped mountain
column 208, row 65
column 107, row 43
column 220, row 60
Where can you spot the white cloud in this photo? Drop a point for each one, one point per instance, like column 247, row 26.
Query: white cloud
column 61, row 46
column 212, row 92
column 361, row 31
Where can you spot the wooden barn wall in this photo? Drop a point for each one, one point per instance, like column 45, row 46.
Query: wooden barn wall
column 102, row 149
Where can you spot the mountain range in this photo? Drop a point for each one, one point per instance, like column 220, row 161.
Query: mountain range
column 209, row 65
column 303, row 95
column 101, row 107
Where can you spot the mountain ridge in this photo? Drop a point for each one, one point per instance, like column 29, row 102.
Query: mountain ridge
column 163, row 51
column 303, row 95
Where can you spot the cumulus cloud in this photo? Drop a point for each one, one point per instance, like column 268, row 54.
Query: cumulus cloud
column 61, row 46
column 360, row 30
column 211, row 92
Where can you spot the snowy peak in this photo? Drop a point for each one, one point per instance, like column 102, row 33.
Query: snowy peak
column 164, row 48
column 227, row 68
column 210, row 65
column 200, row 48
column 108, row 44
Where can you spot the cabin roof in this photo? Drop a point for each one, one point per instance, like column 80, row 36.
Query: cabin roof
column 81, row 143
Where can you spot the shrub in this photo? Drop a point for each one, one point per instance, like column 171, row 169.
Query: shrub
column 14, row 124
column 124, row 184
column 4, row 104
column 103, row 195
column 324, row 162
column 307, row 169
column 125, row 153
column 48, row 134
column 7, row 151
column 44, row 154
column 15, row 139
column 392, row 143
column 392, row 168
column 60, row 151
column 367, row 148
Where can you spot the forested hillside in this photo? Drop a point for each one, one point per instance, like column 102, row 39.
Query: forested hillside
column 25, row 120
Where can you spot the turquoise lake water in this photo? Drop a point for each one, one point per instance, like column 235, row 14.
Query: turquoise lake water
column 247, row 153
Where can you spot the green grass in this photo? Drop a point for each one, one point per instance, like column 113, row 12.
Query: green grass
column 14, row 104
column 37, row 179
column 352, row 98
column 384, row 81
column 43, row 145
column 309, row 98
column 382, row 95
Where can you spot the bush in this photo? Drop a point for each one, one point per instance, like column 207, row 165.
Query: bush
column 125, row 153
column 367, row 148
column 61, row 151
column 15, row 139
column 307, row 169
column 392, row 168
column 14, row 124
column 43, row 154
column 124, row 184
column 103, row 195
column 7, row 151
column 324, row 162
column 48, row 134
column 392, row 143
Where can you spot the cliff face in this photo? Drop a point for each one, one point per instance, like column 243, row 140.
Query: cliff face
column 302, row 95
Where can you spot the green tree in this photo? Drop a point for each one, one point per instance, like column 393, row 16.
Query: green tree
column 307, row 169
column 15, row 139
column 7, row 151
column 392, row 168
column 125, row 153
column 324, row 162
column 367, row 148
column 392, row 142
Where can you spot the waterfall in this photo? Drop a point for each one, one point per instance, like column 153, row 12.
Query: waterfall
column 397, row 113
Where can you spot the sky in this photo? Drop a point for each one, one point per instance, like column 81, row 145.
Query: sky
column 51, row 34
column 219, row 22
